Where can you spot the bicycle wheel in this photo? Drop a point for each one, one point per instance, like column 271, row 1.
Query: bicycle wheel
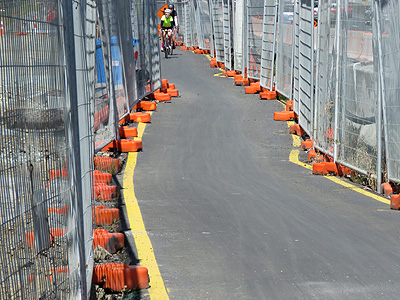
column 171, row 47
column 165, row 51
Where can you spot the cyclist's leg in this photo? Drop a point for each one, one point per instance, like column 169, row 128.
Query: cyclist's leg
column 170, row 36
column 173, row 37
column 162, row 39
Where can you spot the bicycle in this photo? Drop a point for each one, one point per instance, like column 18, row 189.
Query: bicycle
column 168, row 49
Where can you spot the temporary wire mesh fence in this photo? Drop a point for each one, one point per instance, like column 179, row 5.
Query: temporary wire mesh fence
column 227, row 11
column 268, row 45
column 341, row 75
column 284, row 53
column 304, row 96
column 53, row 112
column 238, row 34
column 218, row 27
column 255, row 14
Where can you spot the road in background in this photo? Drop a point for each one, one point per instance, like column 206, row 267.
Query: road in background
column 230, row 217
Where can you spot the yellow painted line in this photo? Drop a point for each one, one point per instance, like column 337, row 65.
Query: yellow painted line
column 157, row 290
column 294, row 158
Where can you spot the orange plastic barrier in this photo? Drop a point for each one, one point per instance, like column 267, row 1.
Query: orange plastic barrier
column 119, row 276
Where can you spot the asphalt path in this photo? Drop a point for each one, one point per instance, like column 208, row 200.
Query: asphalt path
column 230, row 217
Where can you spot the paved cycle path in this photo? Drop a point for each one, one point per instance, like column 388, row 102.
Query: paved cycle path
column 230, row 217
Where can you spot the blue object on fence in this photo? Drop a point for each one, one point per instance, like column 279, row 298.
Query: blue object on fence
column 101, row 76
column 135, row 41
column 116, row 61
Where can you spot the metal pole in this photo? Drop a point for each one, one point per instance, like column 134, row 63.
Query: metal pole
column 72, row 22
column 291, row 95
column 316, row 98
column 274, row 44
column 336, row 125
column 381, row 104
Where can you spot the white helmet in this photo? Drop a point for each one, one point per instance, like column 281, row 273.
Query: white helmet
column 167, row 11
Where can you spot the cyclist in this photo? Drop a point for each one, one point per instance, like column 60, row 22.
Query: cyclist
column 167, row 24
column 174, row 14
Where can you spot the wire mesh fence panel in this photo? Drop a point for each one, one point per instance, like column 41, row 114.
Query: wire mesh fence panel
column 43, row 235
column 155, row 67
column 325, row 87
column 305, row 95
column 255, row 13
column 388, row 17
column 238, row 28
column 227, row 9
column 105, row 122
column 82, row 16
column 268, row 44
column 356, row 127
column 203, row 24
column 32, row 129
column 218, row 26
column 143, row 66
column 189, row 26
column 179, row 7
column 123, row 10
column 284, row 53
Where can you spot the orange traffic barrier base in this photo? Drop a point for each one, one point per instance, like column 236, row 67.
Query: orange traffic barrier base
column 395, row 202
column 125, row 146
column 59, row 211
column 296, row 129
column 256, row 85
column 284, row 115
column 251, row 89
column 268, row 95
column 173, row 92
column 325, row 168
column 230, row 73
column 140, row 117
column 117, row 277
column 184, row 48
column 54, row 233
column 221, row 65
column 307, row 144
column 164, row 83
column 162, row 96
column 104, row 193
column 240, row 81
column 213, row 63
column 105, row 216
column 107, row 164
column 387, row 189
column 289, row 105
column 312, row 154
column 101, row 178
column 112, row 242
column 146, row 105
column 127, row 132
